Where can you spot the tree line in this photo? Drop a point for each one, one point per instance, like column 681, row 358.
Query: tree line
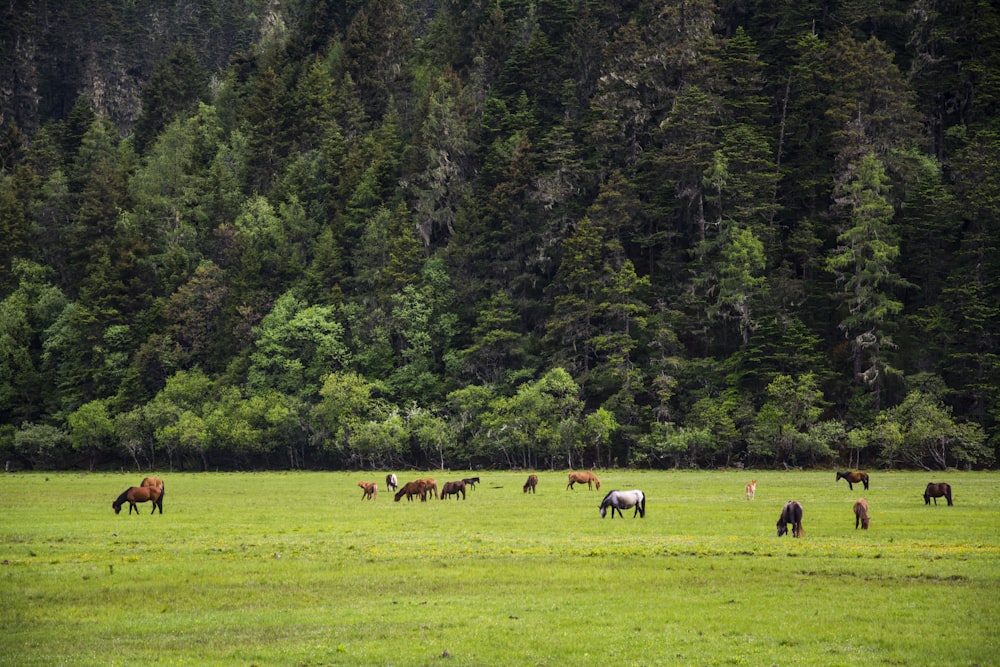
column 516, row 234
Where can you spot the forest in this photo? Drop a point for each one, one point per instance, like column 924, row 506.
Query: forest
column 353, row 234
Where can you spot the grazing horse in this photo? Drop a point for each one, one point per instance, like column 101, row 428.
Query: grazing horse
column 751, row 489
column 583, row 477
column 861, row 514
column 152, row 481
column 619, row 500
column 369, row 490
column 791, row 514
column 139, row 494
column 410, row 489
column 471, row 482
column 936, row 491
column 391, row 482
column 453, row 489
column 430, row 486
column 531, row 483
column 853, row 478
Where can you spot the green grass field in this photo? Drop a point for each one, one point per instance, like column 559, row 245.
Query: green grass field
column 294, row 569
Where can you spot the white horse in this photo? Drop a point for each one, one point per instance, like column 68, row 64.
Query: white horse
column 619, row 500
column 391, row 482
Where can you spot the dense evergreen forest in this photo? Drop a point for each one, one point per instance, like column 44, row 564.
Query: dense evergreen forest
column 499, row 233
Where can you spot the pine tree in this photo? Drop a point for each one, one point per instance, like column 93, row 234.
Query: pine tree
column 865, row 265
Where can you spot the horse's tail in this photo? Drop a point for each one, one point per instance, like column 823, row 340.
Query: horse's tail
column 642, row 506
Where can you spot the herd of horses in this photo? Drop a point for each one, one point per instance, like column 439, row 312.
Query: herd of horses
column 151, row 490
column 791, row 513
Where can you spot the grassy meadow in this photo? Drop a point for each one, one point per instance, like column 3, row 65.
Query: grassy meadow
column 295, row 569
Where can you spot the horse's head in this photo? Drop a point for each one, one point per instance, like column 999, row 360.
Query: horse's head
column 782, row 527
column 117, row 507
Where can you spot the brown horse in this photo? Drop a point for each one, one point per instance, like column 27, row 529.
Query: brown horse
column 936, row 491
column 430, row 486
column 152, row 481
column 139, row 494
column 751, row 489
column 791, row 513
column 410, row 489
column 369, row 490
column 531, row 483
column 588, row 478
column 861, row 514
column 471, row 482
column 453, row 489
column 853, row 478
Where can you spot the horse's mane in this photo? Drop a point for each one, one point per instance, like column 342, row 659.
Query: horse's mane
column 123, row 497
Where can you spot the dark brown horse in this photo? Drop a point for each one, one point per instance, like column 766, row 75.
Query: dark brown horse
column 861, row 514
column 471, row 482
column 139, row 494
column 853, row 478
column 152, row 481
column 791, row 514
column 453, row 489
column 410, row 489
column 531, row 483
column 587, row 478
column 936, row 491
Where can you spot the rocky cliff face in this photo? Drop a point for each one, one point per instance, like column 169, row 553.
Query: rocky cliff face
column 53, row 51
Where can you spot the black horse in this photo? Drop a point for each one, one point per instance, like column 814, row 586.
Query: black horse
column 791, row 514
column 936, row 491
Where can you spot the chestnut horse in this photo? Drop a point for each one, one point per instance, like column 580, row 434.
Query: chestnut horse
column 861, row 514
column 139, row 494
column 453, row 489
column 530, row 484
column 391, row 482
column 430, row 486
column 152, row 481
column 583, row 477
column 936, row 491
column 751, row 489
column 853, row 478
column 791, row 514
column 369, row 490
